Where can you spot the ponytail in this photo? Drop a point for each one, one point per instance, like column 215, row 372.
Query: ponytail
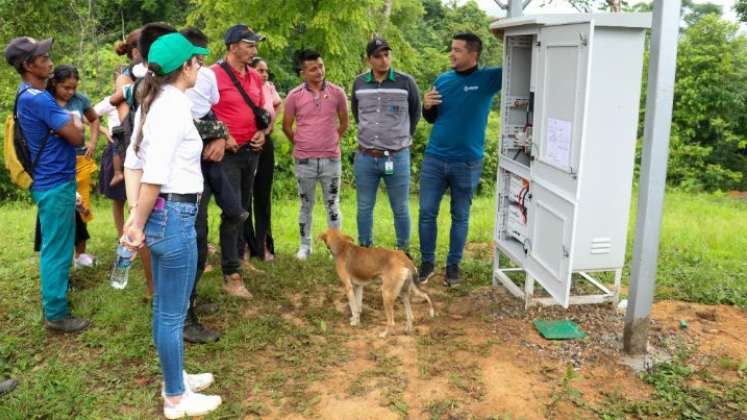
column 147, row 92
column 126, row 47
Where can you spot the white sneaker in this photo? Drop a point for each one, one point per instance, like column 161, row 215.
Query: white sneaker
column 199, row 381
column 193, row 382
column 303, row 253
column 191, row 404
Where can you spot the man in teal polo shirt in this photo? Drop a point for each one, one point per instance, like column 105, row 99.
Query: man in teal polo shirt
column 52, row 134
column 458, row 107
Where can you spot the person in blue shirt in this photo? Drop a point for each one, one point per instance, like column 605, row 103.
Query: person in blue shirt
column 52, row 134
column 458, row 107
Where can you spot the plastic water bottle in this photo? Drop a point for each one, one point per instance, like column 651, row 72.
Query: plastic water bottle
column 121, row 268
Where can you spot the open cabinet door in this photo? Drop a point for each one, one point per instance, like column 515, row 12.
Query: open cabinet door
column 549, row 260
column 560, row 113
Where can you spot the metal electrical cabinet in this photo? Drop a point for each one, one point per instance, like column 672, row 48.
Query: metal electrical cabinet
column 569, row 118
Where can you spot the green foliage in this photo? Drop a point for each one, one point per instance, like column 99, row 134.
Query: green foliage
column 85, row 33
column 693, row 12
column 741, row 8
column 708, row 129
column 687, row 392
column 338, row 29
column 709, row 134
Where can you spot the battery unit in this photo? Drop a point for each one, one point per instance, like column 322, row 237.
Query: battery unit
column 518, row 187
column 517, row 224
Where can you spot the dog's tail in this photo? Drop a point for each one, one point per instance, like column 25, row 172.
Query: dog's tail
column 413, row 285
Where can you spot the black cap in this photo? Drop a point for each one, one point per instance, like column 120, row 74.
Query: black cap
column 376, row 45
column 238, row 33
column 23, row 48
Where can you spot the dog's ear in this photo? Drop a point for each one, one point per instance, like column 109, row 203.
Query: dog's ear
column 322, row 237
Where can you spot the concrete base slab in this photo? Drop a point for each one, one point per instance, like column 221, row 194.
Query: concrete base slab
column 645, row 362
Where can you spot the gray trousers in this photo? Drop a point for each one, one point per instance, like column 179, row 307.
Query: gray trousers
column 328, row 172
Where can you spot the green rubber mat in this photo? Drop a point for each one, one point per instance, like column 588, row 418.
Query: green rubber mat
column 559, row 330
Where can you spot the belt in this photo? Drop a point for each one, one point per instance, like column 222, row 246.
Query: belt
column 180, row 198
column 377, row 153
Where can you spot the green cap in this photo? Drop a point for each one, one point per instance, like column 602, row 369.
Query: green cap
column 171, row 51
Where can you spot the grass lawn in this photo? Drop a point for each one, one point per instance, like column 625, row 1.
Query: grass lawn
column 276, row 349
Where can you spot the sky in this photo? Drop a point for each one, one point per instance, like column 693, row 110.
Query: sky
column 562, row 6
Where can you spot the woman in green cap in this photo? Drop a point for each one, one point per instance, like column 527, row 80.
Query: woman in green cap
column 166, row 150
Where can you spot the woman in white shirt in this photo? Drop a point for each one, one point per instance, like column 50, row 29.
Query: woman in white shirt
column 166, row 148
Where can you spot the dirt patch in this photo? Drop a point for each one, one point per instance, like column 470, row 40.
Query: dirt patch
column 718, row 329
column 482, row 358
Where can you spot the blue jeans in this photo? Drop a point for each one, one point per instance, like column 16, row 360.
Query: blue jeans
column 170, row 235
column 57, row 222
column 461, row 179
column 368, row 173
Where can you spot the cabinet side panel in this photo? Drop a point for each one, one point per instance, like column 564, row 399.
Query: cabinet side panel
column 606, row 170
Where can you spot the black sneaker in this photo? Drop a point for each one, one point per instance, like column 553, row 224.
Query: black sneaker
column 68, row 324
column 196, row 333
column 7, row 386
column 425, row 272
column 452, row 275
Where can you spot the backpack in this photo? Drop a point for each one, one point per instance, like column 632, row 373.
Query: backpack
column 16, row 153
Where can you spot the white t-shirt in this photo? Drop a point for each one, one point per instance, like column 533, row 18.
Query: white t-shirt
column 170, row 150
column 106, row 108
column 205, row 93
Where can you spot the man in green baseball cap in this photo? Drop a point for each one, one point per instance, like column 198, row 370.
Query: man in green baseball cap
column 170, row 51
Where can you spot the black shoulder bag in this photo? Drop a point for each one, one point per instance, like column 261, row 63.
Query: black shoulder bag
column 262, row 118
column 20, row 143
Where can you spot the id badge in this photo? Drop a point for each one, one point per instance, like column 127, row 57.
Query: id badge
column 388, row 167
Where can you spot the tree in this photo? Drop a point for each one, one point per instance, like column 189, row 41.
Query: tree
column 693, row 12
column 741, row 8
column 587, row 6
column 338, row 29
column 709, row 127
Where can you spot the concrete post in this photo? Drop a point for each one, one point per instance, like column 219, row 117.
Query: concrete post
column 515, row 8
column 662, row 66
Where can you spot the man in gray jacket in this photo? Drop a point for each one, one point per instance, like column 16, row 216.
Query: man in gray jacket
column 386, row 107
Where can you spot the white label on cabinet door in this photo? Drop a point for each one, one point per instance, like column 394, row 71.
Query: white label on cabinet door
column 558, row 145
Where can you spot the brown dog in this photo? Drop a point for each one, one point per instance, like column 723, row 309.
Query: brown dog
column 358, row 266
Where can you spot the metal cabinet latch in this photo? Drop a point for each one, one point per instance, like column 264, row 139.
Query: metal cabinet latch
column 584, row 41
column 566, row 254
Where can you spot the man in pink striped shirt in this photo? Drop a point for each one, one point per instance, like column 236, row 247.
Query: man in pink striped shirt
column 320, row 112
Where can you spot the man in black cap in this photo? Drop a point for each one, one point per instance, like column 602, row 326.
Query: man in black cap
column 386, row 107
column 237, row 82
column 51, row 134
